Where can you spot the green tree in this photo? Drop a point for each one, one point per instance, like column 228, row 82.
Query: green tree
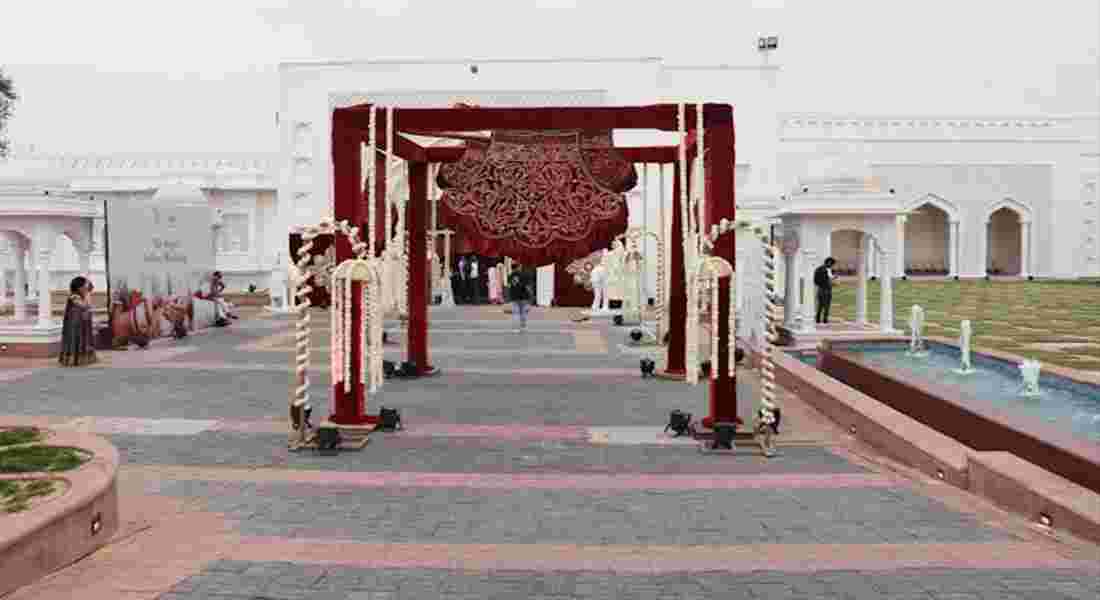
column 7, row 101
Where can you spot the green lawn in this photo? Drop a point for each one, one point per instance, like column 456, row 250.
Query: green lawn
column 1011, row 316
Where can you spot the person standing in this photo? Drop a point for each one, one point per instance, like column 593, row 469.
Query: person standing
column 464, row 280
column 823, row 281
column 475, row 281
column 77, row 344
column 520, row 294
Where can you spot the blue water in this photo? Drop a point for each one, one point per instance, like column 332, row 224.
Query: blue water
column 1065, row 404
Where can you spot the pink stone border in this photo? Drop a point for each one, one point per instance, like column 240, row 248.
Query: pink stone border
column 1000, row 477
column 59, row 531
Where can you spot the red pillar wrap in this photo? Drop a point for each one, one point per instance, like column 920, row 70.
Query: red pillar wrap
column 416, row 216
column 720, row 189
column 677, row 293
column 349, row 406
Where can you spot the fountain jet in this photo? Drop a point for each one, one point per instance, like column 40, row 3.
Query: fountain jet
column 916, row 330
column 965, row 368
column 1029, row 370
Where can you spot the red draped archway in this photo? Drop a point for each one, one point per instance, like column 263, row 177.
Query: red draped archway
column 350, row 130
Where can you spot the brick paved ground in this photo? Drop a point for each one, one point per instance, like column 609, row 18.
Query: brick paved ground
column 499, row 489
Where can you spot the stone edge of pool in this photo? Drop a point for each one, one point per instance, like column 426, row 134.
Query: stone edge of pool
column 1001, row 477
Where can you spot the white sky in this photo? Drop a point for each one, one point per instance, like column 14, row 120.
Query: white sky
column 89, row 71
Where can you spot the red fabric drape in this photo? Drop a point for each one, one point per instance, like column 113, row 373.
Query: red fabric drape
column 538, row 197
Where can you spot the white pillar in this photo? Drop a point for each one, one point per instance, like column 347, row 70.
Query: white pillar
column 9, row 251
column 983, row 251
column 44, row 305
column 32, row 274
column 901, row 219
column 809, row 302
column 20, row 282
column 861, row 280
column 953, row 249
column 886, row 301
column 790, row 290
column 1025, row 248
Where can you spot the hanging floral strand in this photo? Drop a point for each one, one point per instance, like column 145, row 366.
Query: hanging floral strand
column 389, row 161
column 714, row 327
column 700, row 177
column 372, row 242
column 731, row 338
column 337, row 343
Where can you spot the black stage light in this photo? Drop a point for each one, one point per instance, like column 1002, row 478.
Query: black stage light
column 389, row 369
column 618, row 320
column 704, row 369
column 680, row 423
column 636, row 335
column 328, row 440
column 723, row 436
column 390, row 419
column 648, row 367
column 408, row 370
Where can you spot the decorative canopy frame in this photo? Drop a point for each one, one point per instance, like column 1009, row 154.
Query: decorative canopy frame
column 354, row 126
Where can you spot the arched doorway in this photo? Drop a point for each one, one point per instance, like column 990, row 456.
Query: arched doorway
column 927, row 241
column 845, row 249
column 1005, row 242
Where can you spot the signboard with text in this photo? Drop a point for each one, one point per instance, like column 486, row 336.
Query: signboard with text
column 159, row 248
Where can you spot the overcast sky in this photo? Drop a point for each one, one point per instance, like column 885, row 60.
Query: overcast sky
column 199, row 75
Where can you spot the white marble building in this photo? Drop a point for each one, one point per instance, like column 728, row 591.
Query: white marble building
column 1012, row 195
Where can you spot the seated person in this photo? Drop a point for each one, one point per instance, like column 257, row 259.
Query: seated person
column 225, row 310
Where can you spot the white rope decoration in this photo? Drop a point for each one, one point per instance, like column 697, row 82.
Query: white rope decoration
column 771, row 319
column 303, row 331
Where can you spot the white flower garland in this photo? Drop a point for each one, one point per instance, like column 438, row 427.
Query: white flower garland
column 371, row 164
column 389, row 160
column 714, row 328
column 731, row 338
column 700, row 176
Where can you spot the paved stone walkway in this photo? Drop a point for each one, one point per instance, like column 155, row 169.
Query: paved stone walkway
column 533, row 467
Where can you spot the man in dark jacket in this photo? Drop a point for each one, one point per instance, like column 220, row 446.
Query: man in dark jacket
column 520, row 293
column 823, row 280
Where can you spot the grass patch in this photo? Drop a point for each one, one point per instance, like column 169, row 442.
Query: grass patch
column 32, row 459
column 19, row 435
column 16, row 496
column 1004, row 315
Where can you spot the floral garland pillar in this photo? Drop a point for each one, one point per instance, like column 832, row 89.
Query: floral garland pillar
column 348, row 406
column 718, row 147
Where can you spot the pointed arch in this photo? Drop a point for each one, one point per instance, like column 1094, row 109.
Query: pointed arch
column 954, row 215
column 1020, row 207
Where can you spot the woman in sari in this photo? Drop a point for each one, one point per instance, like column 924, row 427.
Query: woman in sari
column 77, row 331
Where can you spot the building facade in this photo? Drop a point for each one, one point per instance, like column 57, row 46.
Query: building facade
column 1003, row 195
